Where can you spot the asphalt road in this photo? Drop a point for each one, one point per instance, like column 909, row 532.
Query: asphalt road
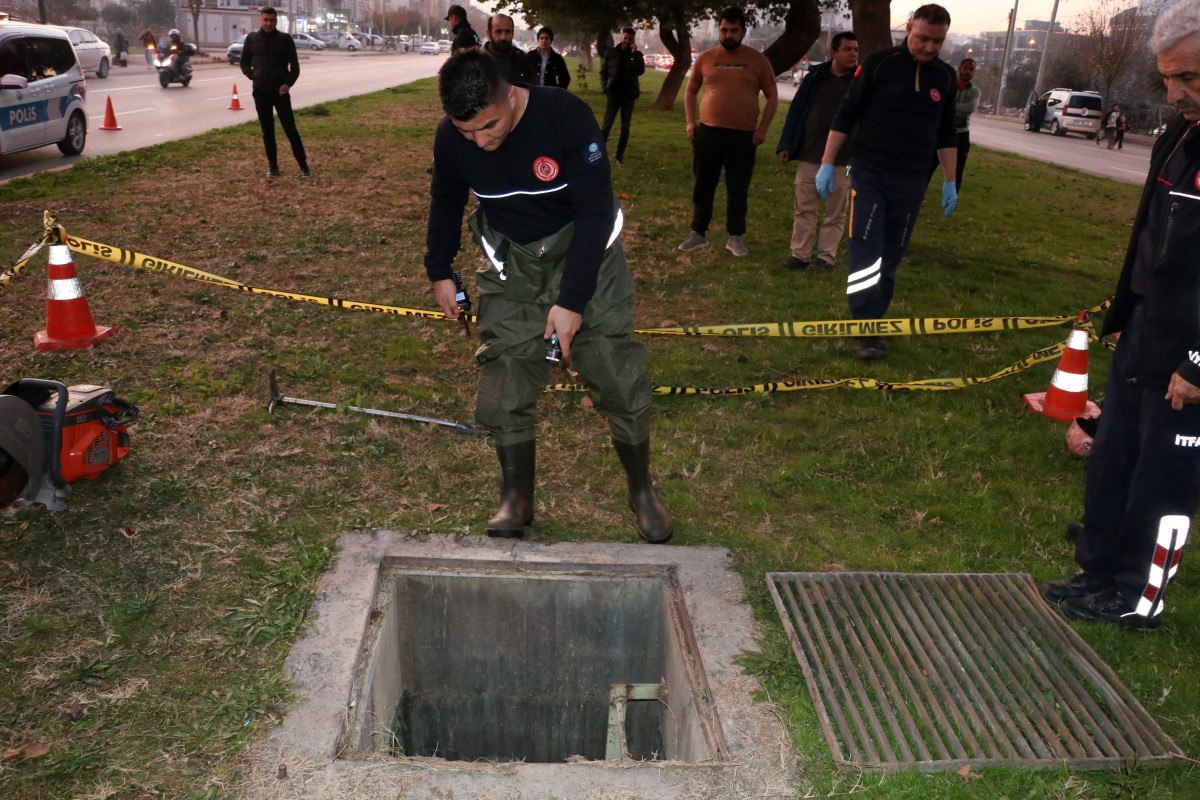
column 149, row 114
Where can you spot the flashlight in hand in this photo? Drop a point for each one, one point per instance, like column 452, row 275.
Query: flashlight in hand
column 462, row 300
column 553, row 349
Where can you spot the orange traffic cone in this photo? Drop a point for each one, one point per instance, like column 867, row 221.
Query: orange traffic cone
column 1066, row 398
column 234, row 104
column 110, row 119
column 69, row 324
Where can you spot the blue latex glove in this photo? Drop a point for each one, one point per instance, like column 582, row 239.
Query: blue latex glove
column 949, row 197
column 825, row 180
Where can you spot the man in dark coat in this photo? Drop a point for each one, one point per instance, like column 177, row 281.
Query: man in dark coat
column 269, row 61
column 619, row 73
column 1143, row 476
column 543, row 66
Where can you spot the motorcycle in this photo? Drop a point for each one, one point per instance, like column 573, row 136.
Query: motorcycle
column 172, row 68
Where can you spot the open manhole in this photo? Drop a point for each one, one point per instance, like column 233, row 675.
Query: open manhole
column 482, row 662
column 445, row 666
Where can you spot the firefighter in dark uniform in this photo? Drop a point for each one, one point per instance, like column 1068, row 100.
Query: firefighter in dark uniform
column 1143, row 477
column 902, row 102
column 549, row 228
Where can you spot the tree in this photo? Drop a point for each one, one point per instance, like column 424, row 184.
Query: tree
column 872, row 25
column 1114, row 38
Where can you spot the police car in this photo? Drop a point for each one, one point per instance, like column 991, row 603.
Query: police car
column 42, row 89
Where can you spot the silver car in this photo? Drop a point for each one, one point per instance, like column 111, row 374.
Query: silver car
column 94, row 53
column 1063, row 111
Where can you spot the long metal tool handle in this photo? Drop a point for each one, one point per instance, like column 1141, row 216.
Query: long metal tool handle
column 277, row 399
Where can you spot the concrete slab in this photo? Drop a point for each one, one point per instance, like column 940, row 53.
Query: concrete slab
column 305, row 756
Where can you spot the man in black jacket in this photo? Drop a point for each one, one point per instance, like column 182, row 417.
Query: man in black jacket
column 1143, row 477
column 901, row 108
column 543, row 66
column 499, row 46
column 619, row 73
column 464, row 35
column 269, row 61
column 803, row 139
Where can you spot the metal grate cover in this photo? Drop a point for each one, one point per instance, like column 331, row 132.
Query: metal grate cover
column 936, row 671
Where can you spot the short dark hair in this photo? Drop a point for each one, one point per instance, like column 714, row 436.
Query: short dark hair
column 838, row 38
column 468, row 83
column 546, row 30
column 965, row 60
column 734, row 14
column 630, row 31
column 269, row 11
column 493, row 16
column 933, row 14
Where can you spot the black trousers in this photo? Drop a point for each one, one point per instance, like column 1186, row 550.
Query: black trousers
column 714, row 149
column 266, row 102
column 1143, row 482
column 883, row 212
column 625, row 106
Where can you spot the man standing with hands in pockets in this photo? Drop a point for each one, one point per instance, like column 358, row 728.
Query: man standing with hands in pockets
column 269, row 60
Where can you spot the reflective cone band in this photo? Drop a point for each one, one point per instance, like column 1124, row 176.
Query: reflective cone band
column 69, row 324
column 235, row 104
column 1066, row 398
column 110, row 119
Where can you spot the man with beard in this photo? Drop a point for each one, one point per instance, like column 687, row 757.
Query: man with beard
column 729, row 128
column 965, row 103
column 900, row 108
column 499, row 45
column 1143, row 475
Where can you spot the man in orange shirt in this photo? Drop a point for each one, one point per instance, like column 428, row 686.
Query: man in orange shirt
column 730, row 128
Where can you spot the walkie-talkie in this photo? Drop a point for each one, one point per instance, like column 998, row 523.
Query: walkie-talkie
column 462, row 300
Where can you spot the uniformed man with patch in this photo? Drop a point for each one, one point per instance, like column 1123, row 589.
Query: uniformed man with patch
column 1143, row 477
column 900, row 108
column 549, row 228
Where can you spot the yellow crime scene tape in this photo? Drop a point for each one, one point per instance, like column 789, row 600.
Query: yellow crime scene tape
column 55, row 233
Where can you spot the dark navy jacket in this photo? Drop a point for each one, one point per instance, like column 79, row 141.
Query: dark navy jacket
column 792, row 138
column 1170, row 338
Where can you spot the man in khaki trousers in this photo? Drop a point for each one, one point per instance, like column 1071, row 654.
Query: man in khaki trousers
column 803, row 140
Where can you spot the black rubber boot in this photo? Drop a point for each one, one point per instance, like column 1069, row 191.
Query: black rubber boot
column 517, row 465
column 653, row 519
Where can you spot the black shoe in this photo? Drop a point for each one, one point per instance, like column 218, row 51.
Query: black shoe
column 820, row 265
column 1109, row 607
column 871, row 348
column 794, row 264
column 1073, row 531
column 305, row 172
column 272, row 172
column 1078, row 585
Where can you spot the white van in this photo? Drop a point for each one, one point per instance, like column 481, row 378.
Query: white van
column 1063, row 111
column 42, row 89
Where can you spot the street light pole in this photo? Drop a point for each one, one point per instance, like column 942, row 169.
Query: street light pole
column 1012, row 22
column 1037, row 84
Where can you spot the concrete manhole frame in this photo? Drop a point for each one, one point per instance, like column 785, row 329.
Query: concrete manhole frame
column 754, row 754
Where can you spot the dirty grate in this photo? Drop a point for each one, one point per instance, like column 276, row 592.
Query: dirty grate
column 934, row 671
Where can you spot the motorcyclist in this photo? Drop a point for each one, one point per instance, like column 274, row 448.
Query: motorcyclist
column 175, row 44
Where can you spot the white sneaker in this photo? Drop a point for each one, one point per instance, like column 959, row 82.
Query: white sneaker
column 695, row 241
column 736, row 246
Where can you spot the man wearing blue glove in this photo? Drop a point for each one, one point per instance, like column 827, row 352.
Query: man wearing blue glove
column 900, row 107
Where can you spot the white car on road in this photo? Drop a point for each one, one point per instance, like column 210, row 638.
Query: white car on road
column 95, row 56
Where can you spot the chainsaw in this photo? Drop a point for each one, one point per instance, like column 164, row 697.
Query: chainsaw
column 52, row 436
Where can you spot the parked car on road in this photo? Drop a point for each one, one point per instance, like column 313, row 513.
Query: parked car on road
column 42, row 96
column 443, row 45
column 233, row 54
column 306, row 42
column 430, row 48
column 94, row 53
column 338, row 40
column 1063, row 111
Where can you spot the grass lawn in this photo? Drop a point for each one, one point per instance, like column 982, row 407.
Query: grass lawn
column 143, row 632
